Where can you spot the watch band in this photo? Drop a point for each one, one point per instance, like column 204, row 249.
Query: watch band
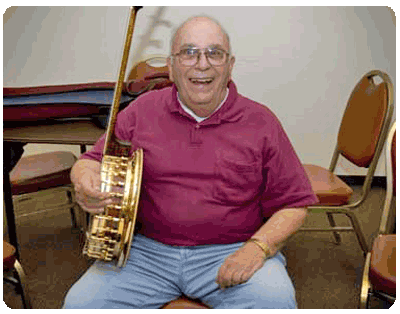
column 264, row 246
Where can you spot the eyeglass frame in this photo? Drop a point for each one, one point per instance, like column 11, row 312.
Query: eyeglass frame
column 202, row 51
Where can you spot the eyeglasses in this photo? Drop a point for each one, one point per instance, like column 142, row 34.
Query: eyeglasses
column 190, row 56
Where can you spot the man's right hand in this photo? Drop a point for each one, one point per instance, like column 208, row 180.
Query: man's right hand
column 85, row 175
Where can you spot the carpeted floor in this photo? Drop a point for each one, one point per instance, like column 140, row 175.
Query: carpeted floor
column 326, row 275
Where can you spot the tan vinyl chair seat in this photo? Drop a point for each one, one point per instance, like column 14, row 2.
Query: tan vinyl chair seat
column 9, row 256
column 328, row 187
column 42, row 171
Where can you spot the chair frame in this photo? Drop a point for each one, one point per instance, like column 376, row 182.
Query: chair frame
column 366, row 287
column 347, row 209
column 16, row 276
column 69, row 194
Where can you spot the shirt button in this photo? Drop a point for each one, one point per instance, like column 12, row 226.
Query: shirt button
column 197, row 126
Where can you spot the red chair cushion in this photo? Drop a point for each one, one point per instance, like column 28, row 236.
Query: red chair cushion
column 382, row 272
column 184, row 303
column 328, row 187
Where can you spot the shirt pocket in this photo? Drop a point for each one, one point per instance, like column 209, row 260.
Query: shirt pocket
column 236, row 182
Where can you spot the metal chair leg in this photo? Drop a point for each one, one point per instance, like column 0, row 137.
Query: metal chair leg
column 358, row 232
column 22, row 285
column 332, row 223
column 73, row 204
column 365, row 284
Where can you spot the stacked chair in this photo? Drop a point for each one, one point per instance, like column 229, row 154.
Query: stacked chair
column 379, row 276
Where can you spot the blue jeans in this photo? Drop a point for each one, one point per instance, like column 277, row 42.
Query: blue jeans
column 156, row 274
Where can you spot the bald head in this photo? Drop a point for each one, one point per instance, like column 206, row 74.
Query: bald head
column 198, row 24
column 202, row 85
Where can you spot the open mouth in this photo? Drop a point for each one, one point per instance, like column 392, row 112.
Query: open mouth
column 201, row 81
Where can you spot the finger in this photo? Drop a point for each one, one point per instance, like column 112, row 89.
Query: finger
column 228, row 278
column 90, row 204
column 250, row 271
column 90, row 185
column 95, row 193
column 235, row 279
column 244, row 277
column 220, row 274
column 223, row 276
column 92, row 210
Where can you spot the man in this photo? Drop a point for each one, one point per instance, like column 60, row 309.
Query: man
column 222, row 190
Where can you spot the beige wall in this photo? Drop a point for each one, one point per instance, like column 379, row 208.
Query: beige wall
column 302, row 62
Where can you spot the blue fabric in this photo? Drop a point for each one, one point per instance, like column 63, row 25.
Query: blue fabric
column 156, row 274
column 95, row 97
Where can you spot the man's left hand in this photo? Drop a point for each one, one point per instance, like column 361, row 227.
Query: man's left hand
column 240, row 266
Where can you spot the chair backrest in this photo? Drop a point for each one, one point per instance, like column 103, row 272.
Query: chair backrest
column 393, row 161
column 366, row 119
column 390, row 179
column 151, row 68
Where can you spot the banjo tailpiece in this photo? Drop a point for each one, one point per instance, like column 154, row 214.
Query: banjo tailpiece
column 110, row 234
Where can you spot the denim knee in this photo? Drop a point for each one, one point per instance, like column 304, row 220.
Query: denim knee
column 269, row 288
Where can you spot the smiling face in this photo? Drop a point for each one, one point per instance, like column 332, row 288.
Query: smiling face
column 202, row 86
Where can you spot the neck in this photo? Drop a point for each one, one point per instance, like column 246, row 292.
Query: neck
column 205, row 110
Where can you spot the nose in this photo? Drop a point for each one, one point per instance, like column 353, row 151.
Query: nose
column 202, row 62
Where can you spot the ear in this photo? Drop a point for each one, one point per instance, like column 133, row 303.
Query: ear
column 169, row 64
column 231, row 64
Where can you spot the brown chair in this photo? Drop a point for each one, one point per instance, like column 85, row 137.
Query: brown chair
column 151, row 68
column 379, row 276
column 184, row 303
column 14, row 273
column 41, row 182
column 362, row 134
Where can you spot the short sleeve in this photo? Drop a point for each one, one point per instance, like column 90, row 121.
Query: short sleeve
column 286, row 182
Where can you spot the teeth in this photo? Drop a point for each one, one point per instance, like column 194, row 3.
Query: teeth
column 201, row 81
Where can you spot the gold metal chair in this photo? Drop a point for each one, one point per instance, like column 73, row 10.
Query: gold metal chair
column 362, row 135
column 379, row 276
column 14, row 273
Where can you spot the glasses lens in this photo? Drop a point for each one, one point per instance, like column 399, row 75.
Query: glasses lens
column 216, row 56
column 190, row 56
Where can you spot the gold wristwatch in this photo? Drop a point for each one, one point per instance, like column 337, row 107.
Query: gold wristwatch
column 264, row 246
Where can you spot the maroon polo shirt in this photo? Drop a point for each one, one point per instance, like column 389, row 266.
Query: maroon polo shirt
column 210, row 182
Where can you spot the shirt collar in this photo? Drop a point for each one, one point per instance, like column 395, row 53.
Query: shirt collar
column 195, row 116
column 228, row 112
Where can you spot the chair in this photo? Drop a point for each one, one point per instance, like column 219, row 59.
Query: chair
column 362, row 134
column 184, row 303
column 41, row 182
column 151, row 68
column 379, row 276
column 14, row 273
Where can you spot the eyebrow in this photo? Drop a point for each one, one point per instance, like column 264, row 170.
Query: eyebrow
column 212, row 46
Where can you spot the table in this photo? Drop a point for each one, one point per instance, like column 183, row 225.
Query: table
column 77, row 132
